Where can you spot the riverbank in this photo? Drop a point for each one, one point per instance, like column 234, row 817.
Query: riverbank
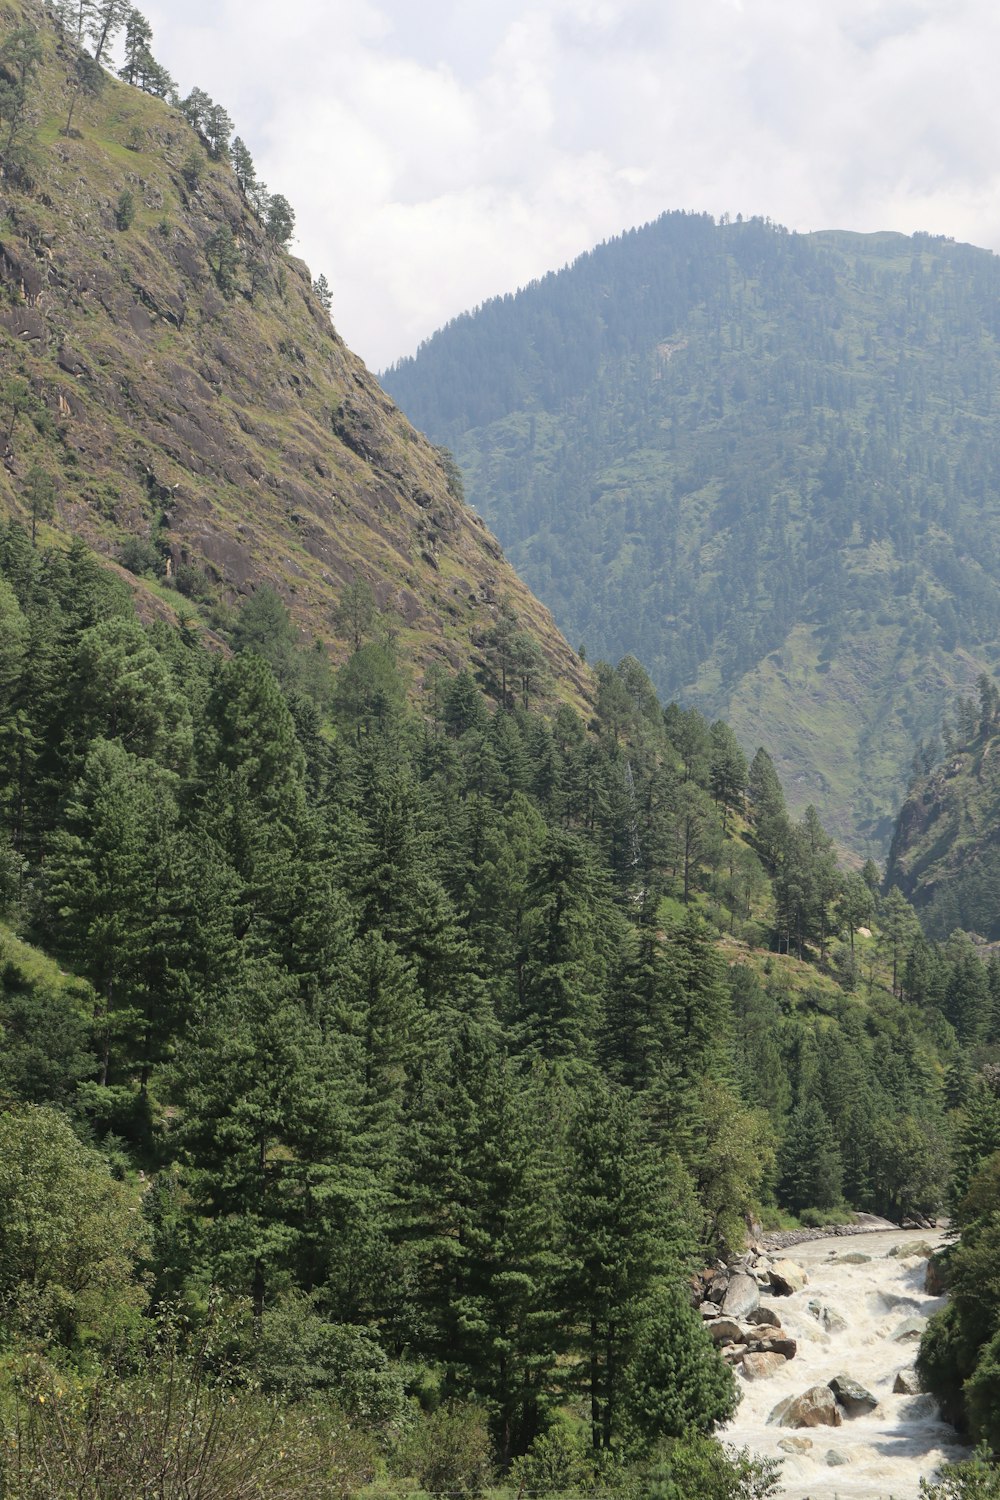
column 784, row 1239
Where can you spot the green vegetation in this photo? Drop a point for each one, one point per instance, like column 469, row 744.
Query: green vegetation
column 401, row 1065
column 944, row 856
column 179, row 384
column 758, row 461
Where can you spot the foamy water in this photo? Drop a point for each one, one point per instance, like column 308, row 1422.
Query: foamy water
column 880, row 1456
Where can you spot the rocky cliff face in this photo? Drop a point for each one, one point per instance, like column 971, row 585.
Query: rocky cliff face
column 213, row 411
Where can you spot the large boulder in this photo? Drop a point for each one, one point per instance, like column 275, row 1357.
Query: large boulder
column 816, row 1407
column 906, row 1383
column 718, row 1286
column 724, row 1331
column 909, row 1330
column 856, row 1399
column 934, row 1278
column 782, row 1345
column 826, row 1316
column 764, row 1317
column 917, row 1249
column 787, row 1278
column 742, row 1296
column 760, row 1366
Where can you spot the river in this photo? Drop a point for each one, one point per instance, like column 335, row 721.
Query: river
column 876, row 1456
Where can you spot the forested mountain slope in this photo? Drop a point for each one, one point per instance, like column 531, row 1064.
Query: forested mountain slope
column 764, row 463
column 944, row 855
column 412, row 1060
column 173, row 389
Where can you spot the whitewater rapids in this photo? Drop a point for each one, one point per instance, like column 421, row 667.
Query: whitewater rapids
column 880, row 1456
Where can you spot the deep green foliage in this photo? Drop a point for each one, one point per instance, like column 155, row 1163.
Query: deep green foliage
column 419, row 1026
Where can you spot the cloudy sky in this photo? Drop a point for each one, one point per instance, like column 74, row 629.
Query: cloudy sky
column 440, row 151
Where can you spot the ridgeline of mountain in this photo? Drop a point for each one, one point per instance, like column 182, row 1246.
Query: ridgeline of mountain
column 173, row 389
column 763, row 463
column 945, row 857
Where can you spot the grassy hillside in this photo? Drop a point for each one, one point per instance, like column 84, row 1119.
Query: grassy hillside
column 763, row 463
column 204, row 422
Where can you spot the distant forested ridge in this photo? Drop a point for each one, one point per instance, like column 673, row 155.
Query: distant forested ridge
column 766, row 464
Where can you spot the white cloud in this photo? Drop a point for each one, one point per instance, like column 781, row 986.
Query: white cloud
column 436, row 156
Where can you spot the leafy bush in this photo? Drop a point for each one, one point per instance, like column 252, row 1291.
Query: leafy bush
column 71, row 1234
column 975, row 1479
column 553, row 1463
column 449, row 1450
column 197, row 1436
column 704, row 1468
column 139, row 556
column 193, row 168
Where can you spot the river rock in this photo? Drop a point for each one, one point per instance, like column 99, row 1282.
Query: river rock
column 910, row 1329
column 834, row 1458
column 919, row 1250
column 852, row 1396
column 787, row 1278
column 917, row 1409
column 816, row 1407
column 782, row 1345
column 826, row 1316
column 852, row 1258
column 761, row 1366
column 906, row 1383
column 933, row 1278
column 724, row 1331
column 742, row 1296
column 764, row 1317
column 898, row 1301
column 718, row 1286
column 795, row 1445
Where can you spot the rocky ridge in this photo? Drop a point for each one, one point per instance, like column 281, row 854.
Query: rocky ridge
column 219, row 420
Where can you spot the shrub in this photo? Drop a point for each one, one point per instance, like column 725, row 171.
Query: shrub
column 702, row 1467
column 193, row 168
column 125, row 210
column 71, row 1233
column 449, row 1450
column 553, row 1463
column 139, row 556
column 197, row 1434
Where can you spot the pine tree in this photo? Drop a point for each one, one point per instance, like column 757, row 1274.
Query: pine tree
column 810, row 1171
column 104, row 879
column 620, row 1240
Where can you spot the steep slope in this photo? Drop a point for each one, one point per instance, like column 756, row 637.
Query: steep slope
column 187, row 389
column 945, row 854
column 764, row 463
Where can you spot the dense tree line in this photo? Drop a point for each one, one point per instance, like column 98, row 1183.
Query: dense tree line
column 416, row 1019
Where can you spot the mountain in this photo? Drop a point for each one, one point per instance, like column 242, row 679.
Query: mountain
column 944, row 855
column 172, row 379
column 765, row 464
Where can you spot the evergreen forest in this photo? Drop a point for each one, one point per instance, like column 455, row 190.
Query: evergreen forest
column 763, row 463
column 376, row 1068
